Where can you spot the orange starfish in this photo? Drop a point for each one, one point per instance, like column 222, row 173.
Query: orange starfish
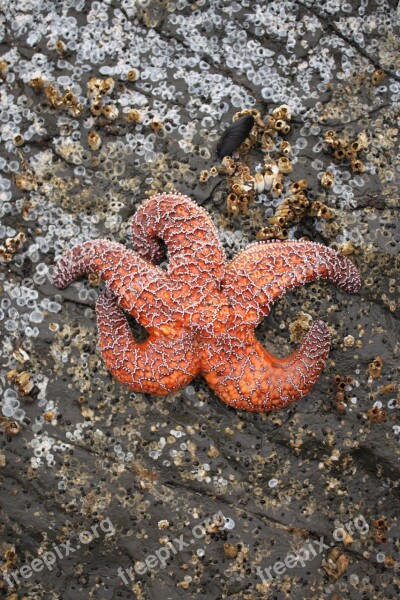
column 201, row 313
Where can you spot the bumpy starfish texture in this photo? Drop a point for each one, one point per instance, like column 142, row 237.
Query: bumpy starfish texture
column 200, row 314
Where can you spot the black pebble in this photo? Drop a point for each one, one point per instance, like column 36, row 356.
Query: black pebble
column 234, row 136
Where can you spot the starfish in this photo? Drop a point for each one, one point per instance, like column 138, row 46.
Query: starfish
column 200, row 313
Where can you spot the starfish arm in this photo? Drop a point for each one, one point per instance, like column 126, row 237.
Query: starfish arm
column 137, row 284
column 160, row 365
column 248, row 377
column 194, row 251
column 262, row 273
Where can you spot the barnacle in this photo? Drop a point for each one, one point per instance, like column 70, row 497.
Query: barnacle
column 110, row 112
column 285, row 147
column 259, row 183
column 277, row 185
column 327, row 179
column 54, row 98
column 96, row 107
column 134, row 116
column 284, row 165
column 319, row 209
column 132, row 75
column 37, row 84
column 377, row 76
column 204, row 176
column 282, row 126
column 61, row 47
column 213, row 172
column 232, row 203
column 376, row 415
column 156, row 125
column 3, row 68
column 71, row 102
column 18, row 139
column 94, row 140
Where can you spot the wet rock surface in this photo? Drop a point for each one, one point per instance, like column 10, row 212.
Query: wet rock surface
column 126, row 477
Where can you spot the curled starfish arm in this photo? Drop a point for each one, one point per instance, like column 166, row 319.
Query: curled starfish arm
column 262, row 273
column 248, row 377
column 136, row 283
column 194, row 250
column 160, row 365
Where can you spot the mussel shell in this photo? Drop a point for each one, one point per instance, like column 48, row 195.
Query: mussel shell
column 234, row 136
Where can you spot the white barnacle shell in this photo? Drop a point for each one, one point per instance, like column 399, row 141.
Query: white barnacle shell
column 270, row 175
column 259, row 185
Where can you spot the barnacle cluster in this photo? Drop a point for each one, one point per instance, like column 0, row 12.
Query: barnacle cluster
column 344, row 385
column 243, row 185
column 67, row 101
column 375, row 367
column 292, row 210
column 379, row 529
column 22, row 379
column 9, row 426
column 376, row 414
column 343, row 148
column 12, row 246
column 335, row 563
